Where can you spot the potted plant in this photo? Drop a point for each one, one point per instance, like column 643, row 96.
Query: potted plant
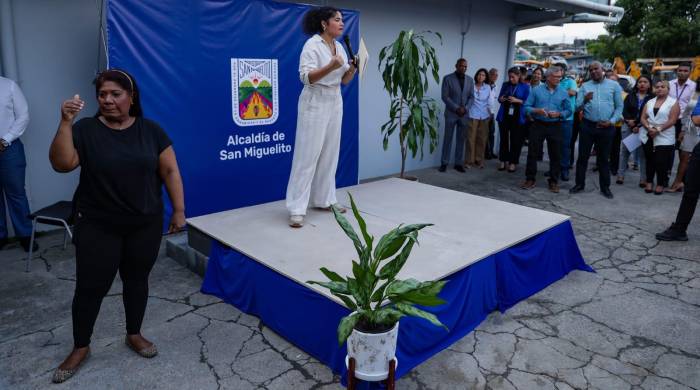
column 405, row 65
column 376, row 297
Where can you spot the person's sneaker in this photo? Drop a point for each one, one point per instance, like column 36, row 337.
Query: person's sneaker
column 553, row 187
column 607, row 193
column 576, row 189
column 3, row 242
column 24, row 242
column 459, row 168
column 296, row 221
column 672, row 234
column 528, row 185
column 442, row 168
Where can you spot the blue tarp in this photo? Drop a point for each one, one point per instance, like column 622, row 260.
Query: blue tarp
column 309, row 320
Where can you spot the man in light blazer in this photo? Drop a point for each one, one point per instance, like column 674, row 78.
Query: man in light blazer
column 458, row 94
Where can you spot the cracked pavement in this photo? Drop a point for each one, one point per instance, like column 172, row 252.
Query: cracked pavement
column 634, row 324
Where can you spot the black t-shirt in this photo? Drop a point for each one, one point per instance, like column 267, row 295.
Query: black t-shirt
column 119, row 177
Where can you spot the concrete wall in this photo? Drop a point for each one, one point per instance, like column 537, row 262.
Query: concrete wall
column 56, row 49
column 57, row 55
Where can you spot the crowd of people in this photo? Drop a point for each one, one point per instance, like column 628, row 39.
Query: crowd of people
column 646, row 124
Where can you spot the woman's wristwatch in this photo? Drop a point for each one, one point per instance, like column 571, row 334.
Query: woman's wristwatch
column 4, row 143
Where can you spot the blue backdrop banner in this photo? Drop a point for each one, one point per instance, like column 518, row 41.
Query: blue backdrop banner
column 221, row 77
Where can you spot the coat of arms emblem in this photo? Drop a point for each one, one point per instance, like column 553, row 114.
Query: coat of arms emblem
column 254, row 91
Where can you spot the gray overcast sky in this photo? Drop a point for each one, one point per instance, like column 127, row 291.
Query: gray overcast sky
column 558, row 34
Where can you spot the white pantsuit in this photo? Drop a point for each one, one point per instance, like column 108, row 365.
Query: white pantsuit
column 319, row 120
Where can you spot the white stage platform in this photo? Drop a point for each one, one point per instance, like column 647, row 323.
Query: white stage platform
column 467, row 228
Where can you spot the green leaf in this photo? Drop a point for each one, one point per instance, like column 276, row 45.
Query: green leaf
column 349, row 231
column 348, row 302
column 345, row 327
column 342, row 288
column 418, row 298
column 415, row 312
column 360, row 221
column 332, row 275
column 387, row 316
column 392, row 268
column 398, row 287
column 389, row 244
column 378, row 294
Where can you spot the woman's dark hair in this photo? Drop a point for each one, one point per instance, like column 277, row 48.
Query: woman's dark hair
column 311, row 24
column 514, row 70
column 648, row 79
column 486, row 75
column 523, row 71
column 541, row 69
column 126, row 81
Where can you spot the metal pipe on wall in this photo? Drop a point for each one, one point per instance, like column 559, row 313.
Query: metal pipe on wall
column 8, row 54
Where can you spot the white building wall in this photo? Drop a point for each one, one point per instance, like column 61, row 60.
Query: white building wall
column 57, row 55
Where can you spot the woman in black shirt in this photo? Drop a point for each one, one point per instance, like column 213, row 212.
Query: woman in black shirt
column 125, row 159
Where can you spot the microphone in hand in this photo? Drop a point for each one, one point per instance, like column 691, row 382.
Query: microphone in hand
column 348, row 47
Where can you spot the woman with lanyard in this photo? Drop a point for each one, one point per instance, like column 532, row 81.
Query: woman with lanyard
column 658, row 135
column 323, row 65
column 511, row 118
column 689, row 137
column 631, row 114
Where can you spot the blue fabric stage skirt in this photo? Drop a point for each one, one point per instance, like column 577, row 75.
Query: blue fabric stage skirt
column 309, row 320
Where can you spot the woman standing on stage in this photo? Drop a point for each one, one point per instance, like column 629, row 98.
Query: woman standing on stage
column 323, row 65
column 124, row 161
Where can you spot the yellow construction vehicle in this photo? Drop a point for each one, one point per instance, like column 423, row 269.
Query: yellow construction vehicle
column 619, row 66
column 634, row 70
column 665, row 68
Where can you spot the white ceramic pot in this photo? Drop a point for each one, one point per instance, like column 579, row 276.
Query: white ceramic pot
column 372, row 353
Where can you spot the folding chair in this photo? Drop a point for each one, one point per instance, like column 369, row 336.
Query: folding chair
column 58, row 214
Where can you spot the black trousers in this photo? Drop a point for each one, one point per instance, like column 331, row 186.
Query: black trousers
column 539, row 132
column 511, row 144
column 615, row 150
column 658, row 162
column 575, row 130
column 601, row 137
column 690, row 191
column 102, row 249
column 490, row 139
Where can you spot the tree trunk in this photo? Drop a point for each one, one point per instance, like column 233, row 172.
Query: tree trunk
column 402, row 141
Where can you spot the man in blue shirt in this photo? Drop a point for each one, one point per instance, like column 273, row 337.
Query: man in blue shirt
column 569, row 85
column 549, row 106
column 677, row 231
column 601, row 100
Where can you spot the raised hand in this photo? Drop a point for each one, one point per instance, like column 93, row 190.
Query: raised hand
column 71, row 107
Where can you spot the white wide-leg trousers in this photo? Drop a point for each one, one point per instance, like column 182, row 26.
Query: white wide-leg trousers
column 316, row 149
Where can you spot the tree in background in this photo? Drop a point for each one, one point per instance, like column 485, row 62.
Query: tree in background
column 652, row 28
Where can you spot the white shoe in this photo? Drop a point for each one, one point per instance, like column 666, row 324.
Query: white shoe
column 296, row 221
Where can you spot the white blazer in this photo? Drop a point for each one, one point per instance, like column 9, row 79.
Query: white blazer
column 666, row 137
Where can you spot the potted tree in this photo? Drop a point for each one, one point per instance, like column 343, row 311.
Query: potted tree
column 406, row 64
column 378, row 299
